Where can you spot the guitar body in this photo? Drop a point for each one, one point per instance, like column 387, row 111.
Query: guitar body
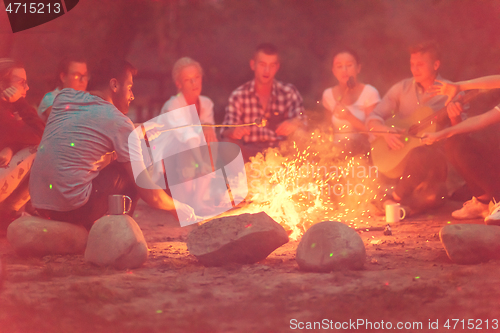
column 392, row 162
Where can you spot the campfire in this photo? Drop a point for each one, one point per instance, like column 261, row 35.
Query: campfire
column 309, row 181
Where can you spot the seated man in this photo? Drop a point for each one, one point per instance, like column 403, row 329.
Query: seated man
column 476, row 162
column 71, row 73
column 85, row 154
column 277, row 103
column 422, row 183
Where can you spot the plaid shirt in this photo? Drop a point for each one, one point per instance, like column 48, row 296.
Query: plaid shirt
column 244, row 107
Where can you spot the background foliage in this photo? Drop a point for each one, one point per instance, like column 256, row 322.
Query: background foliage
column 222, row 34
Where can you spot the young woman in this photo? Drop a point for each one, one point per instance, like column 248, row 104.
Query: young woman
column 20, row 132
column 349, row 102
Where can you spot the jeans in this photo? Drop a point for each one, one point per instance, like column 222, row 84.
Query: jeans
column 113, row 179
column 477, row 163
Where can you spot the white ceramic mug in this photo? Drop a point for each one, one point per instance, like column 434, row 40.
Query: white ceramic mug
column 394, row 213
column 117, row 204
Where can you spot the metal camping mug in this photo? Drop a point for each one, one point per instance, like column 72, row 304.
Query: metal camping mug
column 118, row 204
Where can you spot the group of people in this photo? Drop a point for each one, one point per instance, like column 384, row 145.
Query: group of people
column 76, row 150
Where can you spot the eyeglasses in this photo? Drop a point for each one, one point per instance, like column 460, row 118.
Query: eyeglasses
column 21, row 81
column 80, row 77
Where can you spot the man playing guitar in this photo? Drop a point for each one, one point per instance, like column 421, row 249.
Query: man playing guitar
column 421, row 183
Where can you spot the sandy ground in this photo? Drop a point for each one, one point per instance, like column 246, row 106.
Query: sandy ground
column 408, row 278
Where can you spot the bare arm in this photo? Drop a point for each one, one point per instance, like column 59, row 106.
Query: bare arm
column 469, row 125
column 370, row 109
column 452, row 89
column 358, row 124
column 45, row 115
column 154, row 196
column 485, row 82
column 392, row 137
column 341, row 112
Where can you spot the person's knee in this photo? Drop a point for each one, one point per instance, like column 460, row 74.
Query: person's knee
column 419, row 155
column 455, row 146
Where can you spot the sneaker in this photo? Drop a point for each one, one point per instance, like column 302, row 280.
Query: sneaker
column 472, row 209
column 494, row 217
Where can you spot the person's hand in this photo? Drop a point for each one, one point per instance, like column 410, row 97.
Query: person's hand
column 287, row 127
column 152, row 130
column 341, row 112
column 237, row 133
column 430, row 138
column 454, row 109
column 9, row 93
column 393, row 139
column 5, row 157
column 448, row 89
column 209, row 133
column 185, row 213
column 206, row 169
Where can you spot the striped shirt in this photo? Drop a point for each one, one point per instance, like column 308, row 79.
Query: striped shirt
column 244, row 107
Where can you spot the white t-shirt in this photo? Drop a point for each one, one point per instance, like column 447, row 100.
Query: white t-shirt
column 368, row 97
column 206, row 104
column 47, row 102
column 84, row 133
column 183, row 118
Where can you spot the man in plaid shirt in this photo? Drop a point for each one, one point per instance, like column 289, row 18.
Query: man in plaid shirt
column 277, row 103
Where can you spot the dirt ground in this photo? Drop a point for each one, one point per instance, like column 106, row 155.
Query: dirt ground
column 407, row 279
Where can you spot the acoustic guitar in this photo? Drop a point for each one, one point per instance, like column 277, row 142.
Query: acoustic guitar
column 424, row 120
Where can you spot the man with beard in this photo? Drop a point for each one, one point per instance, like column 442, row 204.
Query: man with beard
column 86, row 155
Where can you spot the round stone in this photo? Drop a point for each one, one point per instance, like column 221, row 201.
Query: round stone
column 329, row 246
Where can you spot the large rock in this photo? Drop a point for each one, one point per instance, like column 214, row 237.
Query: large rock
column 117, row 241
column 471, row 243
column 244, row 239
column 328, row 246
column 34, row 236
